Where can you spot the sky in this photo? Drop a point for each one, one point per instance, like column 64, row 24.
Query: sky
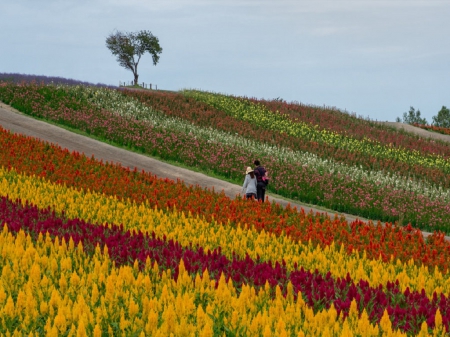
column 373, row 58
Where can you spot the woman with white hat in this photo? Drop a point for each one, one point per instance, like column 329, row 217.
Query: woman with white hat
column 249, row 186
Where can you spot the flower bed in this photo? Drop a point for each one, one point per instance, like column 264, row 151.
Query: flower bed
column 32, row 157
column 319, row 289
column 340, row 187
column 62, row 290
column 90, row 247
column 319, row 292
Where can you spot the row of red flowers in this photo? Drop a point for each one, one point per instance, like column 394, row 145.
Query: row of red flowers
column 407, row 309
column 30, row 156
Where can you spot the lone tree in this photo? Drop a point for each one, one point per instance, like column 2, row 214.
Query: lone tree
column 412, row 117
column 443, row 118
column 129, row 48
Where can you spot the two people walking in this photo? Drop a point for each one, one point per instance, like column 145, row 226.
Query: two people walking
column 255, row 182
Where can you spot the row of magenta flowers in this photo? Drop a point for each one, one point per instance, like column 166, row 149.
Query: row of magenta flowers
column 407, row 309
column 292, row 179
column 30, row 156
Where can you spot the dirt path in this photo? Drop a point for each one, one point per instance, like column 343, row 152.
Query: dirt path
column 16, row 122
column 418, row 131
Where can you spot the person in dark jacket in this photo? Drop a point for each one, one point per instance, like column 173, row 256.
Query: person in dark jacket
column 260, row 173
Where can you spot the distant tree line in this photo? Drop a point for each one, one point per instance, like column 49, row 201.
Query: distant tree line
column 442, row 119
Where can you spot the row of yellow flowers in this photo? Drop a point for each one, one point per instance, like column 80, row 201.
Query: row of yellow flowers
column 53, row 288
column 260, row 115
column 186, row 229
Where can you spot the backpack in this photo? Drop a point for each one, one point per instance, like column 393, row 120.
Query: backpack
column 265, row 179
column 262, row 174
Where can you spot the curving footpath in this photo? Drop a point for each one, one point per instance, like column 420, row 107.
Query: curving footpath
column 16, row 122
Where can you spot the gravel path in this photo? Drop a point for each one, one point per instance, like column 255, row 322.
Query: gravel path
column 16, row 122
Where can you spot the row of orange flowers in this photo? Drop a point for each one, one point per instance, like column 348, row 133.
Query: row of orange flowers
column 438, row 129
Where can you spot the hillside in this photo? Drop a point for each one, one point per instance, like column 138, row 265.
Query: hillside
column 98, row 245
column 14, row 120
column 314, row 155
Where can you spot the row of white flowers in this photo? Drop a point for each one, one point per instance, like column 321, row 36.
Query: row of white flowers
column 129, row 107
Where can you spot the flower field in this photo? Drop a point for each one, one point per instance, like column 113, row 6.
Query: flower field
column 100, row 262
column 345, row 164
column 92, row 248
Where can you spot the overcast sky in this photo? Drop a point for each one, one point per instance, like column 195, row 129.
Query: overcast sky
column 375, row 58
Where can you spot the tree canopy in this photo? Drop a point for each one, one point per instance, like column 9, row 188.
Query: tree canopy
column 129, row 48
column 413, row 117
column 442, row 119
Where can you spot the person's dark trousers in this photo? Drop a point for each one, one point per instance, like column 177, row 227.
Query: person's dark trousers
column 260, row 191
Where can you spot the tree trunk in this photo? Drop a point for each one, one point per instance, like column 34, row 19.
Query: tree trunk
column 136, row 77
